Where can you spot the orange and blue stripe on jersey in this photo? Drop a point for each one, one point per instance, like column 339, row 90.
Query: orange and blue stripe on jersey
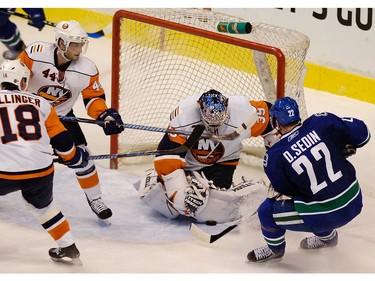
column 24, row 175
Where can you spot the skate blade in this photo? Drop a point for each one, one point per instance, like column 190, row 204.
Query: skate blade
column 68, row 261
column 264, row 261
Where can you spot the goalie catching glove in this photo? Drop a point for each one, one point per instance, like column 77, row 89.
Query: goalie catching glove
column 112, row 122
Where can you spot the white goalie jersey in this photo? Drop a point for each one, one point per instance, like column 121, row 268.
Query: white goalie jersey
column 208, row 152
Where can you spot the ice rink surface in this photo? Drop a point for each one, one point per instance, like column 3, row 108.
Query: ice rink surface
column 141, row 241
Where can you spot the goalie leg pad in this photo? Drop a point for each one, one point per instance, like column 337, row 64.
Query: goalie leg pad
column 187, row 194
column 147, row 183
column 241, row 200
column 175, row 184
column 156, row 199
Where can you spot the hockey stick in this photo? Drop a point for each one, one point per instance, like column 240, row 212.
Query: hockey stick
column 98, row 34
column 192, row 139
column 210, row 238
column 103, row 32
column 248, row 122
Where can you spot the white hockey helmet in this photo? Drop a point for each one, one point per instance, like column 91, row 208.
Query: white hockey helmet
column 13, row 71
column 71, row 31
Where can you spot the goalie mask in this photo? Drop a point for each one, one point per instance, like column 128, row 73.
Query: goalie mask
column 213, row 108
column 13, row 71
column 70, row 32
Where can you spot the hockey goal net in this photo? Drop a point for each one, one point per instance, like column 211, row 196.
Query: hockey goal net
column 161, row 56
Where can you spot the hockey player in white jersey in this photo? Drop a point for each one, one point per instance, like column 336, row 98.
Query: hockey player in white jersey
column 60, row 74
column 199, row 183
column 28, row 128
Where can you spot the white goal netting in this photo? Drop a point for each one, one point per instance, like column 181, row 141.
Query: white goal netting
column 173, row 53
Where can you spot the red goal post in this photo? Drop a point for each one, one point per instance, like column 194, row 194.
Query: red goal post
column 160, row 56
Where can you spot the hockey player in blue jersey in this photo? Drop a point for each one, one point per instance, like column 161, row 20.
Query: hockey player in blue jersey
column 10, row 35
column 309, row 165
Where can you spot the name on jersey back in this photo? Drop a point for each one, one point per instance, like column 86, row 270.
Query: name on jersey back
column 17, row 98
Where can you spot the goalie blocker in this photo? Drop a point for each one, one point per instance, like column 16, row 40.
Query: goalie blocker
column 190, row 194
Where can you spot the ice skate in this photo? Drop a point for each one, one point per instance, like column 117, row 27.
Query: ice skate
column 67, row 255
column 315, row 242
column 100, row 209
column 263, row 254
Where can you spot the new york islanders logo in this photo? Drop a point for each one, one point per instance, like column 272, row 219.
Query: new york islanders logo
column 55, row 95
column 208, row 151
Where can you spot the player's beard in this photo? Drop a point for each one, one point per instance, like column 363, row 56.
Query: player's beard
column 72, row 56
column 75, row 57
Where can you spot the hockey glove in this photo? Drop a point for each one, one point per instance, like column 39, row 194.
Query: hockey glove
column 37, row 17
column 79, row 160
column 349, row 150
column 112, row 122
column 194, row 200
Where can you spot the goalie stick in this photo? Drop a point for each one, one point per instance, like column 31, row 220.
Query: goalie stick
column 246, row 124
column 192, row 139
column 210, row 238
column 98, row 34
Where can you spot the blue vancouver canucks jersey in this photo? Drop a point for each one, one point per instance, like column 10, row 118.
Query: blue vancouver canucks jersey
column 308, row 164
